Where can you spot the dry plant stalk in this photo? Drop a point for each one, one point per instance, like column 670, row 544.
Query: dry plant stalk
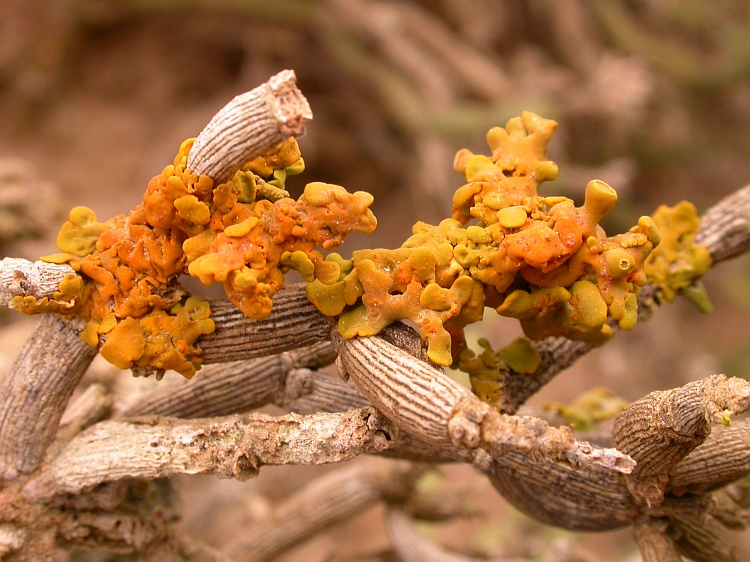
column 72, row 485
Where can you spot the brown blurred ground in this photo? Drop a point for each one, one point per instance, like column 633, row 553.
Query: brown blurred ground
column 653, row 97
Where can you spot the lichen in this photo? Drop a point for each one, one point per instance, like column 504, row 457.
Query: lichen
column 539, row 259
column 677, row 264
column 484, row 369
column 244, row 233
column 590, row 408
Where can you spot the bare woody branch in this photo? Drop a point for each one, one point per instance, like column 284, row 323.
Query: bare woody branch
column 320, row 504
column 294, row 322
column 232, row 388
column 664, row 427
column 230, row 447
column 723, row 458
column 424, row 401
column 248, row 126
column 36, row 391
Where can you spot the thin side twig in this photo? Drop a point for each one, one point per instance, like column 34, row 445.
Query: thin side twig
column 249, row 125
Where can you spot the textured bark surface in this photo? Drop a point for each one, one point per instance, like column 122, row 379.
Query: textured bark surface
column 36, row 391
column 230, row 447
column 248, row 126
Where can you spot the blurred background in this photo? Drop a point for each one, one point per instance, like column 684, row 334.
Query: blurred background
column 652, row 96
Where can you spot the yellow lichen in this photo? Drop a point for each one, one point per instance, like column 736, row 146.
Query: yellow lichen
column 243, row 233
column 79, row 235
column 677, row 265
column 590, row 408
column 539, row 259
column 520, row 356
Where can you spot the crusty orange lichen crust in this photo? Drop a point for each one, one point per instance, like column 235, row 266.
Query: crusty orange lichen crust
column 539, row 259
column 243, row 233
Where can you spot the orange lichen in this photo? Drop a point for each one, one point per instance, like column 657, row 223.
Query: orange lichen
column 539, row 259
column 244, row 233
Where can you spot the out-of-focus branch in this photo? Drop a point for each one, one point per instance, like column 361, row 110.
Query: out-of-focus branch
column 322, row 503
column 413, row 547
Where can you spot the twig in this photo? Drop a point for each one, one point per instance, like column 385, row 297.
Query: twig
column 20, row 277
column 248, row 126
column 36, row 391
column 232, row 388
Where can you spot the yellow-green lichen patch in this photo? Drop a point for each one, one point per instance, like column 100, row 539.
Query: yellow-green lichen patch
column 520, row 356
column 590, row 408
column 677, row 264
column 79, row 235
column 484, row 373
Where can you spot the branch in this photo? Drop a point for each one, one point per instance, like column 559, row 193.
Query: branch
column 664, row 427
column 36, row 391
column 20, row 277
column 230, row 447
column 653, row 541
column 248, row 126
column 293, row 323
column 324, row 502
column 577, row 499
column 725, row 227
column 698, row 531
column 423, row 401
column 411, row 546
column 723, row 458
column 232, row 388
